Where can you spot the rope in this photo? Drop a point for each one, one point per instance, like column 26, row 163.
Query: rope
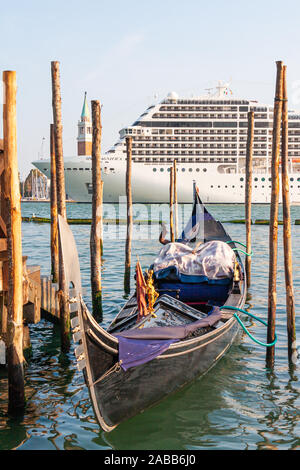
column 242, row 251
column 267, row 345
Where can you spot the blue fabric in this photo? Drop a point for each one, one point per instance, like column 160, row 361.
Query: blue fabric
column 205, row 291
column 138, row 346
column 171, row 273
column 134, row 352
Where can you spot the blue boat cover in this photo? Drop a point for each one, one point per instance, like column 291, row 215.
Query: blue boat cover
column 202, row 292
column 172, row 273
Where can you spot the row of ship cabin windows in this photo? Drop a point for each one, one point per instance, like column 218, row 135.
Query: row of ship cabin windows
column 270, row 179
column 139, row 131
column 206, row 116
column 243, row 186
column 82, row 169
column 204, row 170
column 182, row 169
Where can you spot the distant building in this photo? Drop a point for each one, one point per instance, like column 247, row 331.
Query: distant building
column 84, row 139
column 36, row 186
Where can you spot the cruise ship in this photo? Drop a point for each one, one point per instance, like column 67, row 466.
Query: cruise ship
column 206, row 135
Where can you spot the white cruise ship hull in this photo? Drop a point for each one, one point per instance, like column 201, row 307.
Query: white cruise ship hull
column 151, row 185
column 207, row 136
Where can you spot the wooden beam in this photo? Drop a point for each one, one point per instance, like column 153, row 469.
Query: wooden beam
column 175, row 199
column 3, row 244
column 287, row 239
column 172, row 235
column 3, row 226
column 129, row 216
column 61, row 204
column 53, row 210
column 57, row 119
column 15, row 359
column 96, row 225
column 1, row 163
column 248, row 193
column 273, row 232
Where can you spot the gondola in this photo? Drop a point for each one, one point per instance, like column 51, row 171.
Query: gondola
column 139, row 360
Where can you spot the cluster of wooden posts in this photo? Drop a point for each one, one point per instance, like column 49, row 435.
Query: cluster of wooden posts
column 21, row 283
column 279, row 147
column 11, row 201
column 58, row 207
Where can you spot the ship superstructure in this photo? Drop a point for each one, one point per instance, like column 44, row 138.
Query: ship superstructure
column 207, row 136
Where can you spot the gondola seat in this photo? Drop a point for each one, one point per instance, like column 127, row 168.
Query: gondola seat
column 197, row 289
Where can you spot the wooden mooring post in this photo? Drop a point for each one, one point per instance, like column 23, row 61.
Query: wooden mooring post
column 287, row 241
column 96, row 225
column 273, row 232
column 172, row 235
column 175, row 199
column 58, row 141
column 129, row 216
column 248, row 193
column 53, row 204
column 14, row 345
column 61, row 203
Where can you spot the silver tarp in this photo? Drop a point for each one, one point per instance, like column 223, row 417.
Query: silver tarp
column 214, row 259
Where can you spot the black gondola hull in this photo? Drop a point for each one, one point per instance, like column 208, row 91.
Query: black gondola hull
column 118, row 395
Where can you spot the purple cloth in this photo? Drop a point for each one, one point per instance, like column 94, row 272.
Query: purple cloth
column 134, row 352
column 139, row 346
column 172, row 332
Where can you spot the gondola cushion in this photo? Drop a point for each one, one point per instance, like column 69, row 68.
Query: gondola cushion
column 213, row 291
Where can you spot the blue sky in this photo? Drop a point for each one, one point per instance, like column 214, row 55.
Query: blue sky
column 125, row 52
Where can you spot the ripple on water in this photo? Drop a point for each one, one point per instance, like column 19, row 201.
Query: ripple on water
column 239, row 404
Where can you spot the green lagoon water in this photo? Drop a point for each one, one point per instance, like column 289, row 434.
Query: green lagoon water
column 238, row 405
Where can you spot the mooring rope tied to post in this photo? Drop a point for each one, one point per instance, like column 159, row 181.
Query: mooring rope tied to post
column 267, row 345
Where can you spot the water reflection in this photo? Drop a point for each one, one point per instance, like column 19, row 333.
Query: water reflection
column 239, row 404
column 204, row 415
column 283, row 419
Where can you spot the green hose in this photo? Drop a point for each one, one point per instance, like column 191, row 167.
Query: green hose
column 267, row 345
column 242, row 251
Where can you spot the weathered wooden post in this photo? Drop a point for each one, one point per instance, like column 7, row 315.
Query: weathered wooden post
column 175, row 199
column 287, row 241
column 57, row 119
column 96, row 231
column 172, row 235
column 61, row 203
column 15, row 359
column 248, row 193
column 129, row 216
column 53, row 203
column 273, row 232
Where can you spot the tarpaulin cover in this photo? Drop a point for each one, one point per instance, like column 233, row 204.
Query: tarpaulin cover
column 213, row 260
column 138, row 346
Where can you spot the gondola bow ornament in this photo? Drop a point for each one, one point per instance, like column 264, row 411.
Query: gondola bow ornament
column 141, row 289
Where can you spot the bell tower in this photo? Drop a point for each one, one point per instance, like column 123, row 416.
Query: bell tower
column 84, row 139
